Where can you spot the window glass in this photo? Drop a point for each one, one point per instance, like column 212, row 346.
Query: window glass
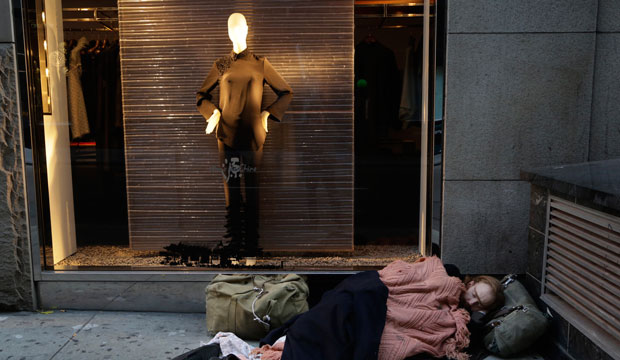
column 172, row 136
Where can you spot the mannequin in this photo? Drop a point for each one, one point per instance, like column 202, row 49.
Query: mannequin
column 240, row 125
column 238, row 33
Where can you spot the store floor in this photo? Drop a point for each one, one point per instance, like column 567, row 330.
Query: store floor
column 66, row 335
column 121, row 256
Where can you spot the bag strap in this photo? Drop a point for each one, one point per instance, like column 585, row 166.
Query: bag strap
column 265, row 321
column 503, row 313
column 260, row 289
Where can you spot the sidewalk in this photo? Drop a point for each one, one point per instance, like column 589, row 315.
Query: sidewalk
column 100, row 335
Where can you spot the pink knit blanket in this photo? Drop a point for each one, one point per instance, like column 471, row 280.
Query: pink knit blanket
column 422, row 311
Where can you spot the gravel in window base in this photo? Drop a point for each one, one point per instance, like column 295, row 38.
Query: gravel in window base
column 363, row 256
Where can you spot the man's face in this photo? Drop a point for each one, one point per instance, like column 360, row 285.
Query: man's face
column 478, row 296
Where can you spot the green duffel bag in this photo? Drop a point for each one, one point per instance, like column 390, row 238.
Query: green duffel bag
column 251, row 305
column 518, row 324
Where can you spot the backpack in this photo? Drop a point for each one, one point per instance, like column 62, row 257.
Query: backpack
column 517, row 325
column 251, row 305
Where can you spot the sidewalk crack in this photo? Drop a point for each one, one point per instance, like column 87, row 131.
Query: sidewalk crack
column 89, row 320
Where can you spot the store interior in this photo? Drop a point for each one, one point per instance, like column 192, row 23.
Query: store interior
column 388, row 92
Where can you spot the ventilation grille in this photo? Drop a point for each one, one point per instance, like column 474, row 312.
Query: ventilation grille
column 582, row 262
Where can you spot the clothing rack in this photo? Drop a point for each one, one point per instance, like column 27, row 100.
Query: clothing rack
column 373, row 9
column 98, row 16
column 95, row 11
column 396, row 11
column 392, row 2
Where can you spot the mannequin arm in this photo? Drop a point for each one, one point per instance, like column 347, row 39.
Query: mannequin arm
column 281, row 88
column 265, row 115
column 212, row 121
column 203, row 95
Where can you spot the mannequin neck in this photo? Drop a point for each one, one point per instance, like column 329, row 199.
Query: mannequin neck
column 239, row 47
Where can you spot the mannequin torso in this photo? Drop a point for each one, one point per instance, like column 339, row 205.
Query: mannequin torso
column 237, row 32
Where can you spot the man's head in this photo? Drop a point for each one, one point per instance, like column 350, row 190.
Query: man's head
column 483, row 293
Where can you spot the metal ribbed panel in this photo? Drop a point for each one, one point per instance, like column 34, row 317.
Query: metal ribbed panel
column 583, row 261
column 174, row 185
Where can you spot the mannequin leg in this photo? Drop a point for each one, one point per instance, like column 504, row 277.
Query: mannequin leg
column 230, row 165
column 252, row 161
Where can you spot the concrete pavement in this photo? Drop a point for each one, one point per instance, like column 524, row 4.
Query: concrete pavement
column 66, row 335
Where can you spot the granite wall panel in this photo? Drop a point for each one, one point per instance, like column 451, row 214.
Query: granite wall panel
column 6, row 24
column 15, row 268
column 516, row 101
column 532, row 285
column 538, row 208
column 513, row 101
column 485, row 226
column 605, row 129
column 535, row 252
column 492, row 16
column 608, row 15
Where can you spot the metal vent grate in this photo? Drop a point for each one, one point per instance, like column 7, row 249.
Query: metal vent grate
column 582, row 264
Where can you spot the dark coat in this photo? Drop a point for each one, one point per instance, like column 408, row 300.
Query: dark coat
column 346, row 324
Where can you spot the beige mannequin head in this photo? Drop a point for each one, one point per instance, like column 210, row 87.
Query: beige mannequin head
column 237, row 31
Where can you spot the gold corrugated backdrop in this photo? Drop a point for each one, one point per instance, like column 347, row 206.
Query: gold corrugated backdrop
column 174, row 186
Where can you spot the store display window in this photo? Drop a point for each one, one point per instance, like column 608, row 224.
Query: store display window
column 266, row 135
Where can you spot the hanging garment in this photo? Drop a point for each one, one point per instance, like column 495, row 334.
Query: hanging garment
column 411, row 97
column 89, row 83
column 241, row 78
column 101, row 87
column 78, row 117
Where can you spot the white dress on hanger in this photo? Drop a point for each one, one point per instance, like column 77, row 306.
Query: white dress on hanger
column 78, row 117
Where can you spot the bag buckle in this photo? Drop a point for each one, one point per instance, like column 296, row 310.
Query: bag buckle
column 509, row 279
column 492, row 325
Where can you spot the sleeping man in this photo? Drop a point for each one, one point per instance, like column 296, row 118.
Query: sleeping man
column 398, row 312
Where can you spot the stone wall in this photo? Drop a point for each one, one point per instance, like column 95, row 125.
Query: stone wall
column 564, row 340
column 15, row 267
column 605, row 129
column 519, row 84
